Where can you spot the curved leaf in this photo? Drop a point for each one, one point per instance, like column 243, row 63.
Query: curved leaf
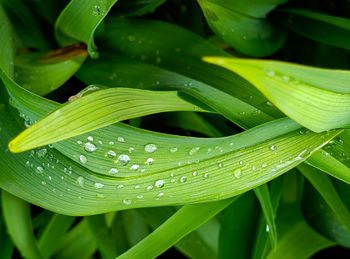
column 320, row 27
column 320, row 97
column 249, row 35
column 79, row 20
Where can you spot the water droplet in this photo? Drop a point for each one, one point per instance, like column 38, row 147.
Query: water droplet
column 161, row 194
column 43, row 182
column 206, row 175
column 99, row 185
column 120, row 186
column 100, row 196
column 137, row 186
column 172, row 174
column 273, row 147
column 238, row 173
column 79, row 142
column 82, row 159
column 96, row 10
column 173, row 149
column 123, row 159
column 267, row 228
column 113, row 171
column 127, row 202
column 195, row 173
column 89, row 138
column 149, row 161
column 269, row 104
column 269, row 72
column 41, row 152
column 150, row 148
column 183, row 179
column 149, row 187
column 111, row 153
column 111, row 143
column 286, row 78
column 263, row 165
column 131, row 149
column 39, row 169
column 159, row 183
column 194, row 150
column 220, row 165
column 139, row 196
column 244, row 37
column 121, row 139
column 89, row 147
column 80, row 181
column 134, row 167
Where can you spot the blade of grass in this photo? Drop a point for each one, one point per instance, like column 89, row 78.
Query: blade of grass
column 19, row 225
column 170, row 232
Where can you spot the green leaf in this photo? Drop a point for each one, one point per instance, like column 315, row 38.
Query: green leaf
column 263, row 195
column 42, row 73
column 193, row 245
column 238, row 222
column 138, row 7
column 19, row 225
column 179, row 225
column 6, row 48
column 325, row 188
column 250, row 35
column 84, row 114
column 79, row 20
column 321, row 98
column 53, row 233
column 320, row 27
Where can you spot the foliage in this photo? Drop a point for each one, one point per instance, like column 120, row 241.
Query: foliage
column 216, row 127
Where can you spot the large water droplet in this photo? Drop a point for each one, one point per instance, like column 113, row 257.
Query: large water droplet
column 134, row 167
column 123, row 159
column 89, row 147
column 150, row 148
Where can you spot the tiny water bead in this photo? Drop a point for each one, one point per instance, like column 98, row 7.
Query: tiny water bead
column 41, row 152
column 220, row 165
column 121, row 139
column 149, row 187
column 111, row 153
column 80, row 181
column 206, row 175
column 39, row 169
column 269, row 72
column 123, row 159
column 113, row 171
column 149, row 161
column 150, row 148
column 195, row 173
column 183, row 179
column 79, row 142
column 82, row 159
column 131, row 149
column 173, row 149
column 134, row 167
column 89, row 138
column 159, row 183
column 89, row 147
column 194, row 150
column 237, row 173
column 273, row 147
column 99, row 185
column 127, row 202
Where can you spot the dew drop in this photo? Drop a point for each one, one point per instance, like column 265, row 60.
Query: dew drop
column 79, row 142
column 195, row 173
column 113, row 171
column 134, row 167
column 121, row 139
column 82, row 159
column 127, row 202
column 220, row 165
column 270, row 73
column 267, row 228
column 120, row 186
column 173, row 149
column 80, row 181
column 149, row 161
column 273, row 147
column 286, row 79
column 238, row 173
column 150, row 148
column 194, row 150
column 206, row 175
column 99, row 185
column 149, row 187
column 89, row 138
column 39, row 169
column 183, row 179
column 131, row 149
column 41, row 152
column 123, row 159
column 89, row 147
column 139, row 196
column 159, row 183
column 111, row 153
column 161, row 194
column 111, row 143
